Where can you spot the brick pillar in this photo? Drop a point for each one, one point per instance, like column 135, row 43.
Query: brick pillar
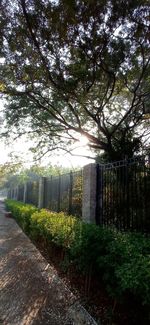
column 89, row 193
column 41, row 192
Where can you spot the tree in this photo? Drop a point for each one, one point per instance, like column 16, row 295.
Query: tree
column 12, row 175
column 8, row 171
column 75, row 68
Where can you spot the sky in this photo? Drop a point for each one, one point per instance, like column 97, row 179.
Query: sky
column 20, row 148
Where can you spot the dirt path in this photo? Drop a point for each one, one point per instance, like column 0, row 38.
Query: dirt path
column 30, row 289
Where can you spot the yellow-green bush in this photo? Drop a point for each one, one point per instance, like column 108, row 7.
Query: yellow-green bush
column 56, row 227
column 22, row 212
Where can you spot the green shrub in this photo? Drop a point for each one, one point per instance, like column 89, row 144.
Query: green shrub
column 21, row 212
column 134, row 277
column 125, row 250
column 120, row 260
column 55, row 227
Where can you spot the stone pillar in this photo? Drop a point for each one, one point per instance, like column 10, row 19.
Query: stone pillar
column 89, row 193
column 25, row 192
column 41, row 192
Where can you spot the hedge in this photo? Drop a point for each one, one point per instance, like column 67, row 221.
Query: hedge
column 120, row 260
column 22, row 213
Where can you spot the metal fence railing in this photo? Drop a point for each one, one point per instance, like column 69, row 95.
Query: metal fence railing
column 20, row 194
column 32, row 192
column 61, row 193
column 64, row 193
column 123, row 194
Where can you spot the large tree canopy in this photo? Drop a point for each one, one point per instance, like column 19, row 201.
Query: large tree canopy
column 77, row 67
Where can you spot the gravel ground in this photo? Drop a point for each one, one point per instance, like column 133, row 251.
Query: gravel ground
column 30, row 289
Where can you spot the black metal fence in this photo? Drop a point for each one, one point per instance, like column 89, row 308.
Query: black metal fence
column 20, row 194
column 28, row 191
column 32, row 192
column 123, row 194
column 61, row 193
column 64, row 193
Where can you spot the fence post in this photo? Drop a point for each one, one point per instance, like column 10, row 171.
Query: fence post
column 25, row 192
column 99, row 195
column 70, row 193
column 59, row 190
column 89, row 193
column 17, row 192
column 12, row 193
column 41, row 192
column 9, row 193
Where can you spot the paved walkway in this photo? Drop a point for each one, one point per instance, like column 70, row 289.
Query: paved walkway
column 30, row 290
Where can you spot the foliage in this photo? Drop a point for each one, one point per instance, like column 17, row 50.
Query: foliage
column 56, row 227
column 6, row 170
column 22, row 212
column 72, row 68
column 19, row 175
column 38, row 170
column 120, row 260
